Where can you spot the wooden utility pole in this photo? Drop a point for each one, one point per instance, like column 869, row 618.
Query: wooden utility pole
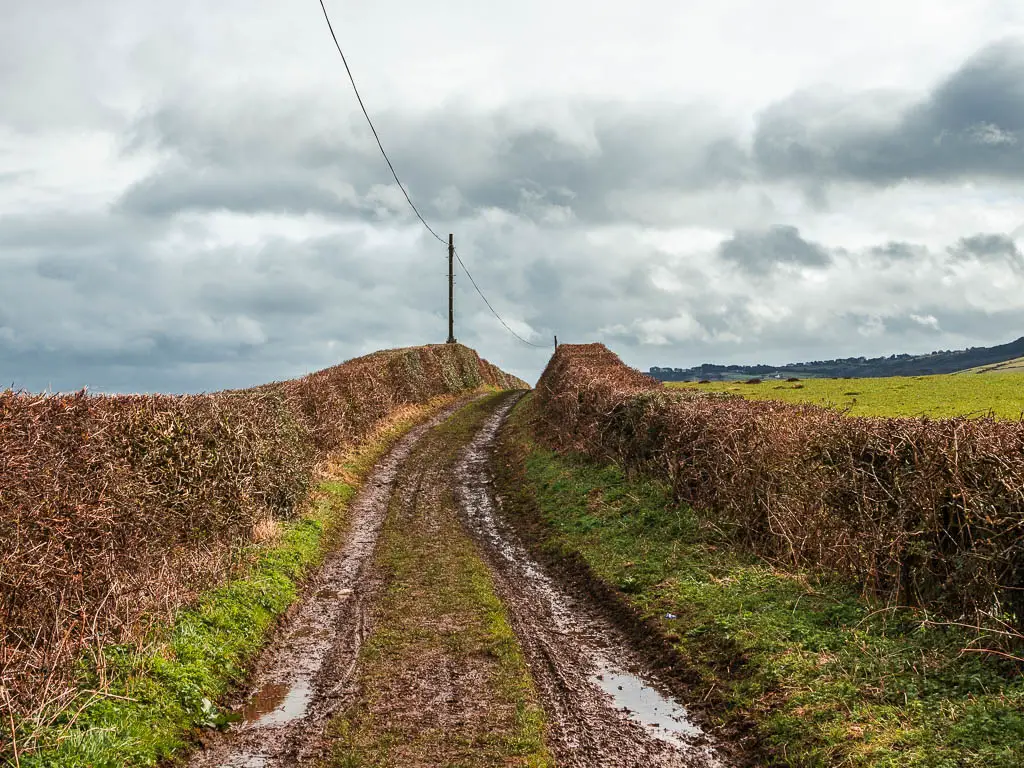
column 451, row 292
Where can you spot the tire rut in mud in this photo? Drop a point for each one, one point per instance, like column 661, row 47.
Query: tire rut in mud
column 604, row 708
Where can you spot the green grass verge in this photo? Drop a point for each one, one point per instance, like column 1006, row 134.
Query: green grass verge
column 825, row 678
column 999, row 394
column 439, row 627
column 153, row 698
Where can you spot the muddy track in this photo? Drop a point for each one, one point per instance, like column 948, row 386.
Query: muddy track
column 304, row 677
column 604, row 708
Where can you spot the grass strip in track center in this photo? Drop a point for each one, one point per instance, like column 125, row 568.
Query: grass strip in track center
column 143, row 705
column 819, row 675
column 441, row 679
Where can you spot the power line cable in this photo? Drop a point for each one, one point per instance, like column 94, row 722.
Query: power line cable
column 401, row 186
column 493, row 312
column 370, row 122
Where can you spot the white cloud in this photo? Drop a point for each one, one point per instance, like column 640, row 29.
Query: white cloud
column 927, row 321
column 989, row 134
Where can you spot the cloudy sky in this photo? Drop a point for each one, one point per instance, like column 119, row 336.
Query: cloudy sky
column 191, row 200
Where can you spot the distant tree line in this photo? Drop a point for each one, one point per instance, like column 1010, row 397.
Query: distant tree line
column 940, row 361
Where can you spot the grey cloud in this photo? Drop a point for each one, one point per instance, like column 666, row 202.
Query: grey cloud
column 268, row 297
column 971, row 124
column 895, row 251
column 759, row 252
column 210, row 317
column 545, row 280
column 637, row 283
column 169, row 192
column 139, row 316
column 922, row 323
column 588, row 161
column 531, row 166
column 989, row 247
column 63, row 231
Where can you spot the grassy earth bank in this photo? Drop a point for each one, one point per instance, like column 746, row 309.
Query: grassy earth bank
column 441, row 679
column 140, row 706
column 819, row 676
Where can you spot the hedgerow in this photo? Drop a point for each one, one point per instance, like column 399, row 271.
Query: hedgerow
column 117, row 510
column 919, row 511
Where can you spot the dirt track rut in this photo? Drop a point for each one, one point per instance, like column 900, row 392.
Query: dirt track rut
column 603, row 708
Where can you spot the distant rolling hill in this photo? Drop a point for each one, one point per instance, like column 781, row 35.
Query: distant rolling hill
column 1010, row 366
column 1004, row 357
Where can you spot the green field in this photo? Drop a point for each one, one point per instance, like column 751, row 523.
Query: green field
column 963, row 394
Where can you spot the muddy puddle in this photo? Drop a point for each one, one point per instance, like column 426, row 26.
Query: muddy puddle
column 266, row 700
column 664, row 717
column 277, row 703
column 604, row 707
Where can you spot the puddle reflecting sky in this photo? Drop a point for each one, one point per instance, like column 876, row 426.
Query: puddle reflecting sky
column 663, row 716
column 277, row 703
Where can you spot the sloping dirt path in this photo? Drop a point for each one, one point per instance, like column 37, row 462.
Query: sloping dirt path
column 431, row 637
column 442, row 680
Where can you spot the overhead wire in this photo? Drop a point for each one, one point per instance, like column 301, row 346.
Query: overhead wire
column 493, row 312
column 372, row 128
column 401, row 186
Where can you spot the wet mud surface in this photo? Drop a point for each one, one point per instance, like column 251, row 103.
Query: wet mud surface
column 604, row 708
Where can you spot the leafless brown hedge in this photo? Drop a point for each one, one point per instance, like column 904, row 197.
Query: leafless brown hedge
column 918, row 510
column 115, row 510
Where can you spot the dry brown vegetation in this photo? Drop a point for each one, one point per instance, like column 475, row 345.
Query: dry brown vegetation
column 922, row 511
column 116, row 510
